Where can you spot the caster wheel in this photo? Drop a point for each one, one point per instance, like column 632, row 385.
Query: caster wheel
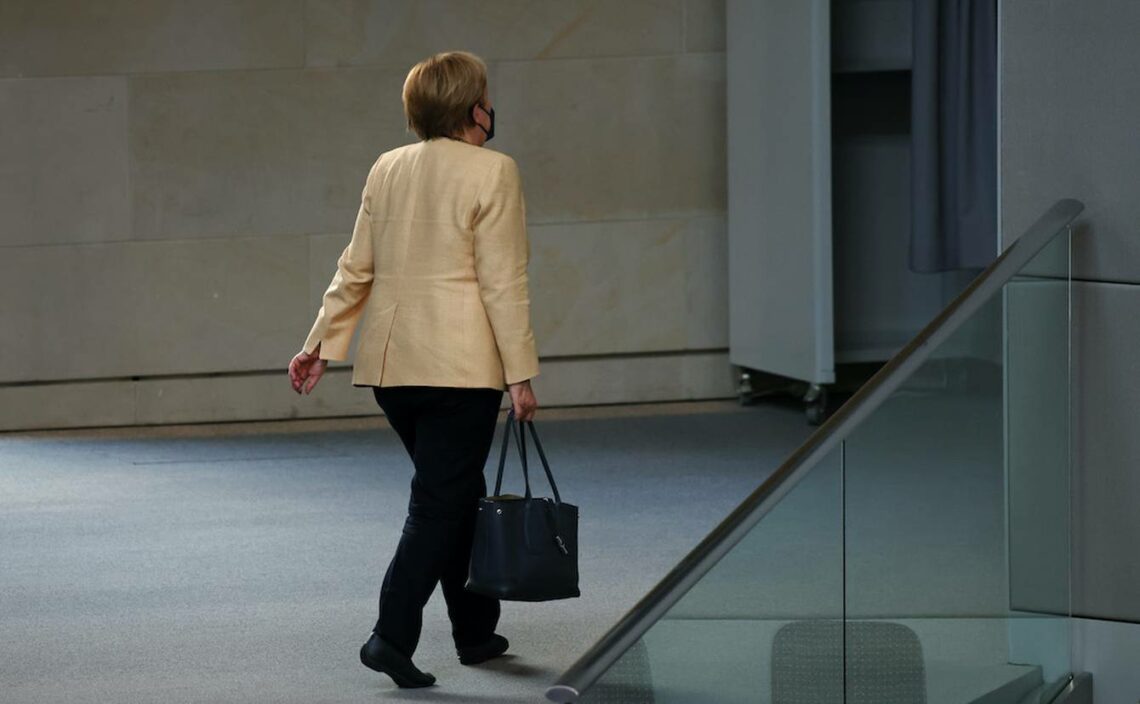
column 744, row 391
column 815, row 401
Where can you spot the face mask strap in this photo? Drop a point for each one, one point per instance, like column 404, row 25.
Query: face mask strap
column 490, row 115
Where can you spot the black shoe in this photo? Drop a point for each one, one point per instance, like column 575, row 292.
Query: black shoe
column 495, row 646
column 382, row 657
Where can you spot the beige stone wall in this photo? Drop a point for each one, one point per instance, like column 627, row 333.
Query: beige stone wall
column 178, row 177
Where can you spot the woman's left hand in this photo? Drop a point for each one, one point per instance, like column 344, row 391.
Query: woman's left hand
column 306, row 369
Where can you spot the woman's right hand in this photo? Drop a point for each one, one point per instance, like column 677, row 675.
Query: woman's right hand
column 305, row 370
column 523, row 400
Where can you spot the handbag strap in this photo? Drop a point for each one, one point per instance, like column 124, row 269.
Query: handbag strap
column 508, row 428
column 520, row 441
column 553, row 518
column 542, row 456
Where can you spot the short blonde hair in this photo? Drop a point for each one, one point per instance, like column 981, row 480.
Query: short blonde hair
column 440, row 91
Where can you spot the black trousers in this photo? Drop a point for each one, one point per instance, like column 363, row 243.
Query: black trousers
column 448, row 432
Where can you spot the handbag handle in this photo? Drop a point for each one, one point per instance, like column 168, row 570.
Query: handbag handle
column 552, row 517
column 520, row 441
column 509, row 429
column 542, row 456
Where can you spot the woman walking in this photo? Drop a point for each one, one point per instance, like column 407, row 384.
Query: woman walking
column 437, row 265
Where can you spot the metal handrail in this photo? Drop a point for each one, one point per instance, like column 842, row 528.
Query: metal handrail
column 599, row 658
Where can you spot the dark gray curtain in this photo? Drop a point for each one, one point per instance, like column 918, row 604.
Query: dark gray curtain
column 954, row 135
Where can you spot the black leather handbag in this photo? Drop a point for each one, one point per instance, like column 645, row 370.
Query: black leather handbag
column 525, row 548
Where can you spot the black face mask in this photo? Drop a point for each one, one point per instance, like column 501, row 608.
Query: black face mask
column 491, row 113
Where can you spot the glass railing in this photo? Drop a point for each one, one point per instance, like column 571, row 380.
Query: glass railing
column 914, row 550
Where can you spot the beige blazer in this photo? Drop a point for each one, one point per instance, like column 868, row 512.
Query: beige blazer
column 437, row 266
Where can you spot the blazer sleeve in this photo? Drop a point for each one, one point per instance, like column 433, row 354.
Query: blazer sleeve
column 344, row 300
column 502, row 253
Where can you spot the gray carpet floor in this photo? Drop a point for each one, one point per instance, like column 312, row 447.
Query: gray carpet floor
column 246, row 568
